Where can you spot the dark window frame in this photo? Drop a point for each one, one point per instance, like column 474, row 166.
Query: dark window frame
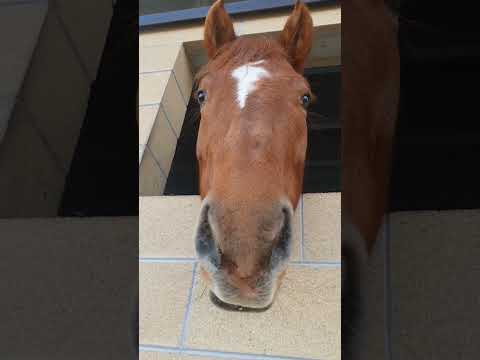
column 239, row 7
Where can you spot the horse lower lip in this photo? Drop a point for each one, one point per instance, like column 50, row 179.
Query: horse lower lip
column 230, row 307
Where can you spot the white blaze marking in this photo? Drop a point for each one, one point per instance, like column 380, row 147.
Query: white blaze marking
column 247, row 75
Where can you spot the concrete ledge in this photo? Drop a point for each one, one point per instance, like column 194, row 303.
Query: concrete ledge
column 167, row 225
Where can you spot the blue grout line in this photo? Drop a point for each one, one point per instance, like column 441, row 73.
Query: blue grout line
column 179, row 90
column 167, row 260
column 168, row 120
column 154, row 71
column 235, row 355
column 317, row 264
column 213, row 353
column 147, row 148
column 149, row 105
column 156, row 161
column 183, row 336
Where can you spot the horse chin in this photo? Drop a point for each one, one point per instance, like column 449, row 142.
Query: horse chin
column 222, row 292
column 237, row 303
column 227, row 297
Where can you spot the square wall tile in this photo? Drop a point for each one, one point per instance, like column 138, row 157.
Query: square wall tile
column 327, row 17
column 167, row 226
column 175, row 34
column 264, row 23
column 196, row 55
column 163, row 292
column 304, row 320
column 174, row 105
column 184, row 74
column 162, row 141
column 158, row 58
column 152, row 87
column 151, row 179
column 146, row 119
column 321, row 226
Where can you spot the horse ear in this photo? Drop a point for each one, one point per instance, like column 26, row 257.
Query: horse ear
column 218, row 29
column 296, row 36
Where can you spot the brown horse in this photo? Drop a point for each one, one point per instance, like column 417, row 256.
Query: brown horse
column 251, row 152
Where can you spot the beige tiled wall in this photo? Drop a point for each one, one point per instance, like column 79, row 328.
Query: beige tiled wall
column 165, row 84
column 321, row 238
column 303, row 322
column 171, row 283
column 178, row 318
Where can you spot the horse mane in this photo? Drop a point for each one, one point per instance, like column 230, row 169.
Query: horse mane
column 241, row 51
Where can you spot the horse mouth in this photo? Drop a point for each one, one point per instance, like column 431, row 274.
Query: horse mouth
column 230, row 307
column 227, row 296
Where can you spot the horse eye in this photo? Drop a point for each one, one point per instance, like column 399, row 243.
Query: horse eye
column 305, row 99
column 201, row 96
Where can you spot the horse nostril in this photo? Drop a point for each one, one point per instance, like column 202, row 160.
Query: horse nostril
column 281, row 250
column 205, row 245
column 204, row 239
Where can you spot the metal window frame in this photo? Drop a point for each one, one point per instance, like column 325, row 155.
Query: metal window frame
column 239, row 7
